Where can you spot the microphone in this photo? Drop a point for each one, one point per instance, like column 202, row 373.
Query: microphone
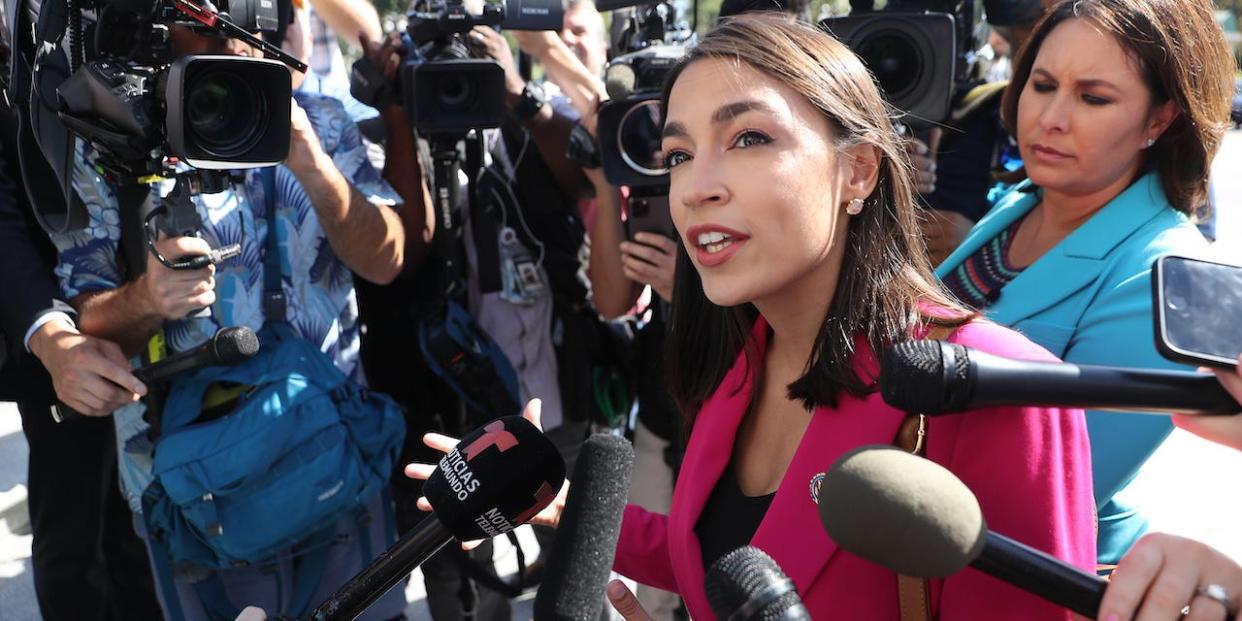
column 586, row 540
column 916, row 518
column 227, row 347
column 746, row 584
column 619, row 81
column 937, row 377
column 497, row 478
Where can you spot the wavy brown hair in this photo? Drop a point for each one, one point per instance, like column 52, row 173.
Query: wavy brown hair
column 885, row 275
column 1182, row 56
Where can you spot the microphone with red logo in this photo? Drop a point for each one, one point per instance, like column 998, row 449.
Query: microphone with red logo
column 498, row 477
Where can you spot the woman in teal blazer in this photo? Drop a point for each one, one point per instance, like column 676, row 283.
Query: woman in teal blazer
column 1116, row 155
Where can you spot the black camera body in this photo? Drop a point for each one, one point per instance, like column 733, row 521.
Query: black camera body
column 922, row 52
column 629, row 123
column 443, row 90
column 212, row 112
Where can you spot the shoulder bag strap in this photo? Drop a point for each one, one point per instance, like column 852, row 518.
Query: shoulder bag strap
column 913, row 596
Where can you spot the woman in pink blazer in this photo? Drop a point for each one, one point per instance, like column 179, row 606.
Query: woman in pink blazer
column 800, row 258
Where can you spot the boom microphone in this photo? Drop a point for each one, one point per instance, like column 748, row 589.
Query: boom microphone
column 937, row 377
column 916, row 518
column 227, row 347
column 586, row 539
column 497, row 478
column 747, row 585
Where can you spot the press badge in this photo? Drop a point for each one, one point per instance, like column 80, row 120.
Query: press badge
column 521, row 282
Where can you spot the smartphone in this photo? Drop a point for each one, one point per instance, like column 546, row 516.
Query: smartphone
column 1198, row 310
column 650, row 214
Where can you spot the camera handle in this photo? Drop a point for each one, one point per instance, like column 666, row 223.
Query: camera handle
column 176, row 215
column 446, row 169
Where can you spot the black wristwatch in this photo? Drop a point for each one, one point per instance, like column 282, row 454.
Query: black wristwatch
column 533, row 100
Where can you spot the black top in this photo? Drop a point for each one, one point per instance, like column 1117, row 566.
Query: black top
column 730, row 518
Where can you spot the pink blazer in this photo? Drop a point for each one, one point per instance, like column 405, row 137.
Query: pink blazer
column 1029, row 467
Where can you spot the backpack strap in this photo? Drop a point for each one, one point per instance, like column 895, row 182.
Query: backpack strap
column 913, row 596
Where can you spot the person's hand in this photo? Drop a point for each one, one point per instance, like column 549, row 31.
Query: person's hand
column 89, row 374
column 384, row 54
column 304, row 147
column 625, row 603
column 548, row 516
column 487, row 43
column 943, row 231
column 1162, row 574
column 252, row 614
column 173, row 294
column 535, row 42
column 650, row 259
column 924, row 162
column 1226, row 430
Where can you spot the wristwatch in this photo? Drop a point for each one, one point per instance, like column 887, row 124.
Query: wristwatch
column 533, row 100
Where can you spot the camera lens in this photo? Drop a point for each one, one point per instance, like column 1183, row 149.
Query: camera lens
column 638, row 137
column 894, row 59
column 225, row 114
column 454, row 92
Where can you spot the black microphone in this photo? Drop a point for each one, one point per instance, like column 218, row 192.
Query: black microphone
column 916, row 518
column 586, row 539
column 746, row 584
column 227, row 347
column 497, row 478
column 937, row 377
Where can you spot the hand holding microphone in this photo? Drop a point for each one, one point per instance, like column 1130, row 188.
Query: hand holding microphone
column 548, row 516
column 1221, row 430
column 495, row 479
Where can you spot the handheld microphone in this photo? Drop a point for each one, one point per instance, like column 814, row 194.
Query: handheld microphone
column 916, row 518
column 586, row 539
column 227, row 347
column 497, row 478
column 747, row 585
column 937, row 377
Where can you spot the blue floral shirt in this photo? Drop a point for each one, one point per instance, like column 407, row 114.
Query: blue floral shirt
column 318, row 287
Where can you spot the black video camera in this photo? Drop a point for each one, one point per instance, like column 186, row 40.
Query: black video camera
column 139, row 103
column 629, row 123
column 922, row 52
column 442, row 88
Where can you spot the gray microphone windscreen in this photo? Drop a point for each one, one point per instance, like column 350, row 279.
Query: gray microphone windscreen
column 619, row 81
column 901, row 511
column 232, row 345
column 746, row 584
column 581, row 558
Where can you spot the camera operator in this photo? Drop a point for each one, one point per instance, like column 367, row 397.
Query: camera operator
column 959, row 169
column 526, row 190
column 333, row 215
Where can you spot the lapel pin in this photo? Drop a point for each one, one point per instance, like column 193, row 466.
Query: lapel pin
column 816, row 482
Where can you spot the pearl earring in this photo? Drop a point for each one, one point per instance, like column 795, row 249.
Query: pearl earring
column 855, row 207
column 1150, row 141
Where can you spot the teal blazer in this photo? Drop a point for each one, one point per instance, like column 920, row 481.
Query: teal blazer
column 1088, row 300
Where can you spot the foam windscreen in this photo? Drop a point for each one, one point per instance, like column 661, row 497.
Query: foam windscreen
column 235, row 344
column 901, row 511
column 586, row 541
column 498, row 477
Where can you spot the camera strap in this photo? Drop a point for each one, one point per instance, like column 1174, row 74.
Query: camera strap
column 274, row 306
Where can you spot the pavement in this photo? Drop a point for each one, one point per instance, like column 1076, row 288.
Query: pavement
column 1188, row 486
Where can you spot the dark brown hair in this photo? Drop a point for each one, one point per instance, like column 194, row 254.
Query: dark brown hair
column 885, row 275
column 1182, row 55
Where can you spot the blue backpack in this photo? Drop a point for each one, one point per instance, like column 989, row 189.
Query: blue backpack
column 301, row 447
column 296, row 447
